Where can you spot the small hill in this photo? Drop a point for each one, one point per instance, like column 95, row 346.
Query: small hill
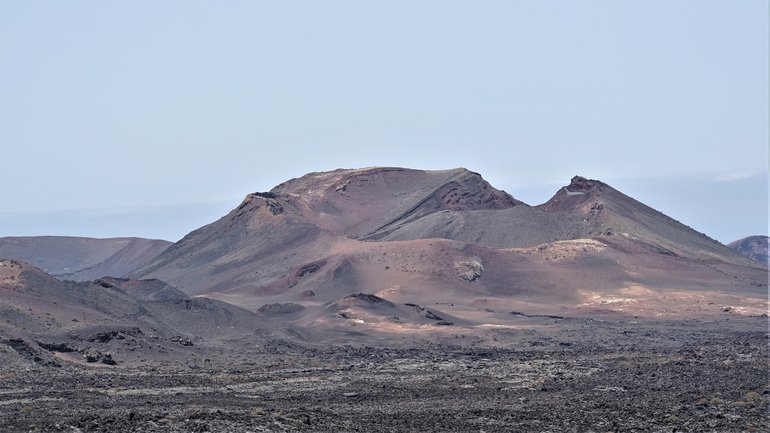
column 38, row 303
column 37, row 307
column 82, row 259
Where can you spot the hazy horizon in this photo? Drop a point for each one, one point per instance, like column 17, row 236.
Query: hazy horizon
column 689, row 200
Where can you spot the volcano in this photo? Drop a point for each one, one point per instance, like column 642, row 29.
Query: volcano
column 450, row 237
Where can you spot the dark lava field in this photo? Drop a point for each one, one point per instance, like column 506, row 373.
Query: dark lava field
column 572, row 375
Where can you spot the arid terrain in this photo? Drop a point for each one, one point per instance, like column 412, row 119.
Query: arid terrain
column 82, row 259
column 552, row 375
column 390, row 299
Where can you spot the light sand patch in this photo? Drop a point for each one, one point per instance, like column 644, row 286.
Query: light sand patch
column 644, row 301
column 563, row 250
column 28, row 400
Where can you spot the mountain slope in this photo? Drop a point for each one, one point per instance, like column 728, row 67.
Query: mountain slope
column 607, row 210
column 753, row 247
column 283, row 234
column 82, row 259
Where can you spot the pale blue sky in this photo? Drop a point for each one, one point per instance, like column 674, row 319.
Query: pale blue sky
column 151, row 118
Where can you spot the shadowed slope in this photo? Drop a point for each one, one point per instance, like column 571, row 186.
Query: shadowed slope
column 143, row 290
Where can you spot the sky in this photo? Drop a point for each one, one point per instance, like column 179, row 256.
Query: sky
column 151, row 119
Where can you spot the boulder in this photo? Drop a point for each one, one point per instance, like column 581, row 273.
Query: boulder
column 469, row 270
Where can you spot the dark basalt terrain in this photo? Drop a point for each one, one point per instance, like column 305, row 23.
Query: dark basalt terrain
column 389, row 299
column 562, row 376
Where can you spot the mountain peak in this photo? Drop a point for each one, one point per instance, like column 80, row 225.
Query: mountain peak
column 362, row 202
column 573, row 195
column 580, row 183
column 337, row 181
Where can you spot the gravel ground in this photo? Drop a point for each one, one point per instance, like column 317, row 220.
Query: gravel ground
column 576, row 377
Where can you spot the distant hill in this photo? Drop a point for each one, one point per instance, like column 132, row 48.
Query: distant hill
column 82, row 259
column 754, row 247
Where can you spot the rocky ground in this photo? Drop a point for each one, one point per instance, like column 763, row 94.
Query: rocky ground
column 571, row 376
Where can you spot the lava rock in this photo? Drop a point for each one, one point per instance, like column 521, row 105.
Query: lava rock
column 94, row 355
column 470, row 270
column 279, row 308
column 57, row 347
column 184, row 341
